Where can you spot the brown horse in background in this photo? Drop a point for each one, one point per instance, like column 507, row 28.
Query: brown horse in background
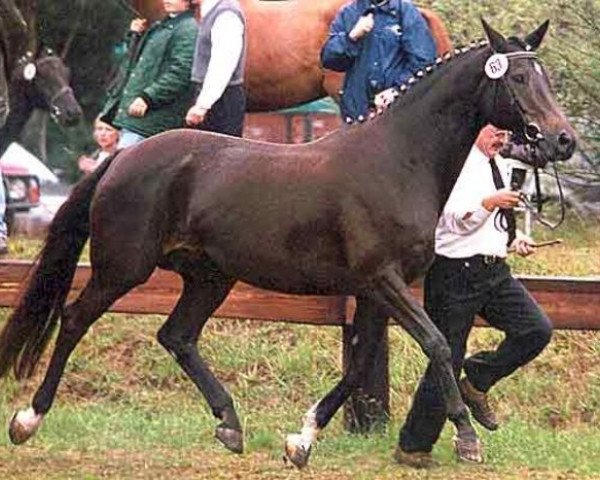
column 284, row 43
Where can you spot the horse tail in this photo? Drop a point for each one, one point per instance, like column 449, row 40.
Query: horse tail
column 28, row 330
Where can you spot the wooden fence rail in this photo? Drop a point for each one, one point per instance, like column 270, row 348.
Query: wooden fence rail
column 571, row 303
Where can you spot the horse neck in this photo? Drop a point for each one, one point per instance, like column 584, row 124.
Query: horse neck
column 440, row 115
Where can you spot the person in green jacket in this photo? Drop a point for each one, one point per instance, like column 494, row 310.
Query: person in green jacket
column 154, row 91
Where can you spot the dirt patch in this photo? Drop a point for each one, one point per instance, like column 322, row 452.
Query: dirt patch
column 26, row 463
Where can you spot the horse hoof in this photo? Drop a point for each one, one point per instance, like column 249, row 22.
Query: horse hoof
column 232, row 439
column 469, row 451
column 296, row 451
column 23, row 426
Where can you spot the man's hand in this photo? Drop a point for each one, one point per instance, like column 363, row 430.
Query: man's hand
column 363, row 26
column 195, row 116
column 138, row 25
column 523, row 245
column 385, row 98
column 503, row 198
column 138, row 107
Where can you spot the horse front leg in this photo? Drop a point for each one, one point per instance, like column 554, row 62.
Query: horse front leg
column 369, row 330
column 393, row 293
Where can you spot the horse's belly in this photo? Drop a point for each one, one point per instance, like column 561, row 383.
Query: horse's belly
column 288, row 281
column 286, row 271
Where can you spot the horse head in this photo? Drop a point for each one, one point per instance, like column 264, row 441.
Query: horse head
column 45, row 81
column 523, row 101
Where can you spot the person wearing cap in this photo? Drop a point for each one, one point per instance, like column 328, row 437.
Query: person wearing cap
column 218, row 69
column 379, row 44
column 470, row 277
column 153, row 90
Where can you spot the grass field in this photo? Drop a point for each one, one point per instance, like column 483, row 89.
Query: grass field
column 124, row 409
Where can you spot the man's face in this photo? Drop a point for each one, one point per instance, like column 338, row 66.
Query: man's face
column 490, row 140
column 175, row 6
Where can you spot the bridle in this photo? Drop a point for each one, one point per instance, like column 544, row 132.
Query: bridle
column 27, row 59
column 55, row 110
column 532, row 134
column 531, row 130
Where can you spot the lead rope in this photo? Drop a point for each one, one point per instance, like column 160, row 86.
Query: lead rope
column 537, row 212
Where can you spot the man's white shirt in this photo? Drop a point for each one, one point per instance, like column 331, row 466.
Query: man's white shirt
column 227, row 36
column 465, row 227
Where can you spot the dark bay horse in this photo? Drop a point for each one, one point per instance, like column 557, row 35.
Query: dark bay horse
column 36, row 76
column 353, row 213
column 39, row 81
column 284, row 42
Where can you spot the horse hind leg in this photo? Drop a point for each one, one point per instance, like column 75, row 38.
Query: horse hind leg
column 94, row 300
column 393, row 293
column 205, row 288
column 371, row 334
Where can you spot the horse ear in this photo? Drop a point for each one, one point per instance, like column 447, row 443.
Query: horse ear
column 534, row 39
column 497, row 41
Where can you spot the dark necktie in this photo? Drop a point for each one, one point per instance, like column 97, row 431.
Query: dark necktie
column 505, row 217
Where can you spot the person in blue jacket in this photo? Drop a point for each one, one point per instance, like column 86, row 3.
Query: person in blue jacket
column 379, row 44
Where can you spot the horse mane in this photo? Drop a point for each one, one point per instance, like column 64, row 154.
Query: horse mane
column 426, row 72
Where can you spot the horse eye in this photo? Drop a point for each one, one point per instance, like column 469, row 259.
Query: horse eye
column 519, row 78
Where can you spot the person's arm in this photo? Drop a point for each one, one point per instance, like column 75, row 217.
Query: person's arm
column 174, row 80
column 343, row 44
column 471, row 202
column 464, row 212
column 417, row 42
column 227, row 38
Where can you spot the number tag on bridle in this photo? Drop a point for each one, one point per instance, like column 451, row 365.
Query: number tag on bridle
column 496, row 66
column 29, row 71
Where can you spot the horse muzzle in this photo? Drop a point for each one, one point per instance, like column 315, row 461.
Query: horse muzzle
column 67, row 115
column 555, row 147
column 64, row 108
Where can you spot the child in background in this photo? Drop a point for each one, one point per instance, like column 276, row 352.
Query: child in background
column 107, row 138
